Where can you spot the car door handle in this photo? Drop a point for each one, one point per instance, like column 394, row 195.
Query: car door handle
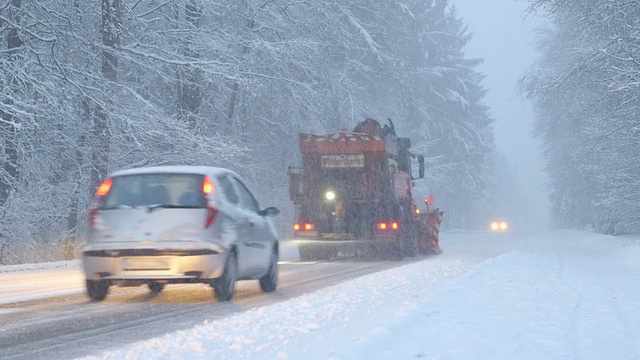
column 254, row 245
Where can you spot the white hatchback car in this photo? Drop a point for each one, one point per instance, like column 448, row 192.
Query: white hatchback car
column 178, row 224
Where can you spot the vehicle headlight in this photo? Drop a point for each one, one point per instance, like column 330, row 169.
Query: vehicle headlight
column 495, row 226
column 503, row 226
column 330, row 195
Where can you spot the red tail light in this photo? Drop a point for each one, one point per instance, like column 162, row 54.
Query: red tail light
column 395, row 226
column 382, row 226
column 207, row 189
column 92, row 217
column 211, row 216
column 207, row 186
column 309, row 226
column 296, row 227
column 104, row 188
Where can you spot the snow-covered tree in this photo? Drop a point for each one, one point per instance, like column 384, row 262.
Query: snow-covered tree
column 584, row 89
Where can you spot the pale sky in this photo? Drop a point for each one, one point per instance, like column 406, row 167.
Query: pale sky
column 503, row 36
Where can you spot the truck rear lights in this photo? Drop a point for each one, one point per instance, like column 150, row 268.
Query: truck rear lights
column 305, row 226
column 394, row 225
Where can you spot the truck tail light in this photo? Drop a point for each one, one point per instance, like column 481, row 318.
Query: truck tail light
column 384, row 226
column 304, row 226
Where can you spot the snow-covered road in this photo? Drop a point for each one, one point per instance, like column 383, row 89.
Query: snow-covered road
column 559, row 295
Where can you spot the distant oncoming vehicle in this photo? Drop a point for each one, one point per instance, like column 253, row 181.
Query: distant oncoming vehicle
column 178, row 224
column 499, row 226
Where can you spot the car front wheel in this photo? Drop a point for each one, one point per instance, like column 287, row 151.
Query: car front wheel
column 269, row 282
column 155, row 287
column 225, row 285
column 97, row 289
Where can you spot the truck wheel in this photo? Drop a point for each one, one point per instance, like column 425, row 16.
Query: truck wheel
column 225, row 285
column 395, row 250
column 410, row 240
column 97, row 289
column 269, row 281
column 423, row 243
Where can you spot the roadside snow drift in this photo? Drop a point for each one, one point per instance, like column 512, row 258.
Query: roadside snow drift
column 569, row 295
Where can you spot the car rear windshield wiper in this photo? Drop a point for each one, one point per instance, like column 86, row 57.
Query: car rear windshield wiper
column 172, row 206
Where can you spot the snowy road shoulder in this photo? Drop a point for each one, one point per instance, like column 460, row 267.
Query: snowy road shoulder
column 302, row 327
column 572, row 296
column 565, row 295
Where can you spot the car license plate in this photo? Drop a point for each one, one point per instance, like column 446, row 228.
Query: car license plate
column 154, row 263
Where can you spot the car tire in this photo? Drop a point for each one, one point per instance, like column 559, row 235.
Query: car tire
column 269, row 282
column 155, row 287
column 97, row 289
column 225, row 285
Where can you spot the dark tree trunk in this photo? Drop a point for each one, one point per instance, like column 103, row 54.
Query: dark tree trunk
column 9, row 124
column 189, row 83
column 110, row 31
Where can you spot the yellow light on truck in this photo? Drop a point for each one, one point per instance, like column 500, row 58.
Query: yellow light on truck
column 330, row 195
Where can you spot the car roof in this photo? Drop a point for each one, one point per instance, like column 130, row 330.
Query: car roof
column 178, row 169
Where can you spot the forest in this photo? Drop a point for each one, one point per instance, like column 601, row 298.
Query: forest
column 585, row 92
column 90, row 87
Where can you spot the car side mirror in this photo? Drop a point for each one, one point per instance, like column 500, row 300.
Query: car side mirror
column 270, row 211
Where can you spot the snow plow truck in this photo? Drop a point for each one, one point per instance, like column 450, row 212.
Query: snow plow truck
column 353, row 195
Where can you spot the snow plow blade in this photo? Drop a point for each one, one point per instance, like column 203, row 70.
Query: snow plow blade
column 387, row 248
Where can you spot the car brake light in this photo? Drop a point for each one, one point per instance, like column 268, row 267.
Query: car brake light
column 92, row 217
column 296, row 227
column 211, row 216
column 104, row 188
column 382, row 226
column 207, row 186
column 309, row 226
column 394, row 225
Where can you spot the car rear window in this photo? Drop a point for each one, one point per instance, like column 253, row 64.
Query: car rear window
column 142, row 190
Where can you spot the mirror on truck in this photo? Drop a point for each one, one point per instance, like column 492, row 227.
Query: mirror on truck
column 420, row 166
column 296, row 191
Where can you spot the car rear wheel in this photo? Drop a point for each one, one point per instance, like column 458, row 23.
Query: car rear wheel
column 97, row 289
column 225, row 285
column 269, row 282
column 155, row 287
